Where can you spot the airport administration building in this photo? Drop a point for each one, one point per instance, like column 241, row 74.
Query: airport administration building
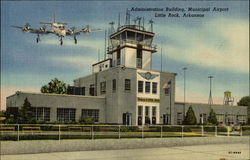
column 123, row 89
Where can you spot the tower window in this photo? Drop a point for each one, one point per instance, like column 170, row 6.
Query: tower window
column 139, row 52
column 139, row 57
column 147, row 87
column 127, row 85
column 118, row 57
column 140, row 86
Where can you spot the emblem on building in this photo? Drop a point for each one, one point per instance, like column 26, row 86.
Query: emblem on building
column 147, row 75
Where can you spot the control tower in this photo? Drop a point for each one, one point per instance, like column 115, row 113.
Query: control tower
column 131, row 46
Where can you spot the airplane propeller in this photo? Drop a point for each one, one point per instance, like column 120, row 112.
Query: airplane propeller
column 26, row 27
column 43, row 28
column 87, row 29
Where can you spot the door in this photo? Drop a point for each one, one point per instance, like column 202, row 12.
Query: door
column 127, row 118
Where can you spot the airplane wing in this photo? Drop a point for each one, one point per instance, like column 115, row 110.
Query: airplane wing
column 40, row 31
column 87, row 29
column 72, row 32
column 17, row 27
column 27, row 28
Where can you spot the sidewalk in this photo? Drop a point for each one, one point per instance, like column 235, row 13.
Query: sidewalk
column 198, row 152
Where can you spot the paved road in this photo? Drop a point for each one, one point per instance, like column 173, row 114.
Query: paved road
column 198, row 152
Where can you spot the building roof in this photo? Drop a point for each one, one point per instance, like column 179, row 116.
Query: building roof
column 54, row 94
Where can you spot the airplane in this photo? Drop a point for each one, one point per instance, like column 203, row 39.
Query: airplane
column 57, row 28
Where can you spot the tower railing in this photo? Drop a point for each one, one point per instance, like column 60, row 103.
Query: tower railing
column 133, row 43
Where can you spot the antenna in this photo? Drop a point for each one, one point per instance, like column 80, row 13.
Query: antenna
column 119, row 21
column 127, row 22
column 112, row 27
column 105, row 44
column 143, row 22
column 161, row 56
column 151, row 22
column 54, row 18
column 139, row 19
column 135, row 20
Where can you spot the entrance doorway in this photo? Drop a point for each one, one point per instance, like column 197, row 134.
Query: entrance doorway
column 166, row 119
column 127, row 118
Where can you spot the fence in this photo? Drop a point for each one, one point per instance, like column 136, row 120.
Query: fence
column 57, row 132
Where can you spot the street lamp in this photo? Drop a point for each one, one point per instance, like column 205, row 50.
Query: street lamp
column 184, row 106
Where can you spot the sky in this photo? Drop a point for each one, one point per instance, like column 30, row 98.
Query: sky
column 216, row 44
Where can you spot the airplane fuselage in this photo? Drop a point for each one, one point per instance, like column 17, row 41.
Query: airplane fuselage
column 58, row 29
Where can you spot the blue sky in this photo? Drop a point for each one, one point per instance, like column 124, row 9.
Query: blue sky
column 214, row 45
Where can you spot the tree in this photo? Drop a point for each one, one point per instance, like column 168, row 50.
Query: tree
column 2, row 116
column 190, row 118
column 26, row 115
column 245, row 101
column 54, row 86
column 212, row 117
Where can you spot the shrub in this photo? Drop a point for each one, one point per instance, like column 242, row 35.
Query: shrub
column 190, row 118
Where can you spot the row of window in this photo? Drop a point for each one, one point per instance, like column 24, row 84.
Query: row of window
column 127, row 87
column 63, row 114
column 221, row 118
column 147, row 118
column 41, row 113
column 147, row 87
column 143, row 87
column 68, row 114
column 147, row 110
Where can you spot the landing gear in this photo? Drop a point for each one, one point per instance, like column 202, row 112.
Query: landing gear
column 61, row 41
column 38, row 38
column 75, row 39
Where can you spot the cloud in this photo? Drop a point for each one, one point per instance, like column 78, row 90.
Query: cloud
column 220, row 44
column 77, row 62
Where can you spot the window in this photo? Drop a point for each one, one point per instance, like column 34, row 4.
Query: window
column 76, row 90
column 153, row 111
column 220, row 118
column 93, row 113
column 103, row 87
column 241, row 119
column 118, row 57
column 139, row 57
column 167, row 91
column 154, row 89
column 41, row 113
column 147, row 118
column 203, row 118
column 127, row 85
column 114, row 84
column 179, row 118
column 147, row 87
column 92, row 90
column 147, row 111
column 139, row 110
column 140, row 86
column 230, row 119
column 66, row 114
